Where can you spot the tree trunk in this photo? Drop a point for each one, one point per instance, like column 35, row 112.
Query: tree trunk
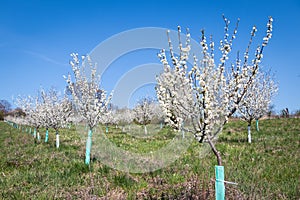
column 219, row 171
column 88, row 147
column 216, row 152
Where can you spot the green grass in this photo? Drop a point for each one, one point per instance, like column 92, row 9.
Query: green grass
column 268, row 168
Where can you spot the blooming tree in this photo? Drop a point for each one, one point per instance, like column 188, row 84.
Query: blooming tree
column 204, row 93
column 124, row 117
column 158, row 114
column 34, row 110
column 90, row 100
column 109, row 118
column 56, row 112
column 144, row 112
column 10, row 119
column 257, row 99
column 17, row 121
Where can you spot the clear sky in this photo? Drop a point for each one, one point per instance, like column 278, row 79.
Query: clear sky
column 37, row 37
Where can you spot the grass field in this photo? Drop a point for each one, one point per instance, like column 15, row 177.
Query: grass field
column 269, row 168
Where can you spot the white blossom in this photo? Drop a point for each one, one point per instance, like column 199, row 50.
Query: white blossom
column 257, row 99
column 90, row 99
column 144, row 112
column 207, row 94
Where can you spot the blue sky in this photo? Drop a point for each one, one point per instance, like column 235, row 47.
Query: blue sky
column 37, row 37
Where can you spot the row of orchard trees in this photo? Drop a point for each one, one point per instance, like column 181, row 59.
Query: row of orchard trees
column 205, row 94
column 48, row 110
column 89, row 103
column 93, row 104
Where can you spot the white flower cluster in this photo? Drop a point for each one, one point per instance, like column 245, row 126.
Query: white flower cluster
column 23, row 121
column 109, row 117
column 124, row 116
column 205, row 94
column 46, row 110
column 56, row 111
column 144, row 111
column 257, row 99
column 33, row 108
column 90, row 100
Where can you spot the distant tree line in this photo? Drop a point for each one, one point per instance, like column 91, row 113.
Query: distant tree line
column 6, row 109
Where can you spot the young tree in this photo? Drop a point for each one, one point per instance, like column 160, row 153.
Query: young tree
column 158, row 114
column 109, row 118
column 56, row 112
column 124, row 117
column 144, row 112
column 257, row 99
column 10, row 119
column 89, row 99
column 205, row 95
column 34, row 110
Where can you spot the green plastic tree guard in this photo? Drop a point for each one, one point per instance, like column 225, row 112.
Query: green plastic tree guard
column 34, row 133
column 88, row 147
column 257, row 128
column 219, row 184
column 106, row 128
column 47, row 135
